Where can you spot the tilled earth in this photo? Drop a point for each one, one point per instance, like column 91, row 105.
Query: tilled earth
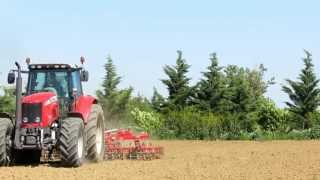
column 196, row 160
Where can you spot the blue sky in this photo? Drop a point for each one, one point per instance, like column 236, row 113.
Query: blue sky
column 142, row 36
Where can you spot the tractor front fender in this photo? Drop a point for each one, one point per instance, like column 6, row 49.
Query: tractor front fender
column 82, row 107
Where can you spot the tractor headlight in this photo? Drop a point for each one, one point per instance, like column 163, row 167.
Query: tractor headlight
column 37, row 120
column 25, row 120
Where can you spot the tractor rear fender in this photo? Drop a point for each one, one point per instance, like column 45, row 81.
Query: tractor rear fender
column 82, row 107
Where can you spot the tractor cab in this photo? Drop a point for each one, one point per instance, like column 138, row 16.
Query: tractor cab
column 60, row 79
column 61, row 83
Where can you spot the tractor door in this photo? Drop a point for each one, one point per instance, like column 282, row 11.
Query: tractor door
column 76, row 84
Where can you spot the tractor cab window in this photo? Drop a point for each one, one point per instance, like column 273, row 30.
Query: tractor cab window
column 38, row 82
column 49, row 81
column 76, row 82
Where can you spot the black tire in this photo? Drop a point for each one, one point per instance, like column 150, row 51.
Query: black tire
column 6, row 128
column 71, row 137
column 95, row 134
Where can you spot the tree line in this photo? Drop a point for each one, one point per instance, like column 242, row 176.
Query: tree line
column 228, row 102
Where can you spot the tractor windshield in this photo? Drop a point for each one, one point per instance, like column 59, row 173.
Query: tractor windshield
column 49, row 81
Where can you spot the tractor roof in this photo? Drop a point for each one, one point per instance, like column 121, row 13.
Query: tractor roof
column 52, row 66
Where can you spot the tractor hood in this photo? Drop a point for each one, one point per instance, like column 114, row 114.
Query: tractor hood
column 41, row 97
column 39, row 110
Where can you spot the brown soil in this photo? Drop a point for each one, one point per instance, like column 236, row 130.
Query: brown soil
column 197, row 160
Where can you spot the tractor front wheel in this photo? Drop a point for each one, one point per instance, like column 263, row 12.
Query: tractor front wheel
column 72, row 142
column 6, row 128
column 95, row 134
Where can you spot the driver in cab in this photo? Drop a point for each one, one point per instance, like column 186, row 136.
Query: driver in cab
column 54, row 85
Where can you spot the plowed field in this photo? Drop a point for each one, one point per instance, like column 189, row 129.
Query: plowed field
column 196, row 160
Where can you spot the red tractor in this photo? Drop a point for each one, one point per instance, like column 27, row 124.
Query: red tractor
column 53, row 118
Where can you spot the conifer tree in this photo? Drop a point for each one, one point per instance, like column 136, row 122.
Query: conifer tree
column 157, row 101
column 304, row 93
column 111, row 79
column 113, row 100
column 178, row 83
column 211, row 87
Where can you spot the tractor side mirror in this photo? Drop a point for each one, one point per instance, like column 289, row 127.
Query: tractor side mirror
column 84, row 76
column 11, row 77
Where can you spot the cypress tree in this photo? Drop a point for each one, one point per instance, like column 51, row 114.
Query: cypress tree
column 304, row 93
column 113, row 100
column 178, row 83
column 211, row 87
column 111, row 79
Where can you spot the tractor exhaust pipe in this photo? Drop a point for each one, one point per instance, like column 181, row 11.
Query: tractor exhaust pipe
column 17, row 143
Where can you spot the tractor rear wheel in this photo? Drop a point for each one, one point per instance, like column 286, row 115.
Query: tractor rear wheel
column 6, row 128
column 71, row 142
column 95, row 134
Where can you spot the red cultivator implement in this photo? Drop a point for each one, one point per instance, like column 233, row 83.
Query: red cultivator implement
column 124, row 144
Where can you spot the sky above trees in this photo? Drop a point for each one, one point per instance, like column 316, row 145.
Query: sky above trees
column 142, row 36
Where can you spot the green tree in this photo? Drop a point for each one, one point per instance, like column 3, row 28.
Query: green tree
column 256, row 80
column 238, row 100
column 244, row 88
column 269, row 116
column 238, row 97
column 122, row 100
column 157, row 101
column 178, row 84
column 111, row 79
column 211, row 88
column 304, row 93
column 114, row 101
column 7, row 100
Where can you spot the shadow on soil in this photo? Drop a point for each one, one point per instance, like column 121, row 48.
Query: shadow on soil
column 45, row 164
